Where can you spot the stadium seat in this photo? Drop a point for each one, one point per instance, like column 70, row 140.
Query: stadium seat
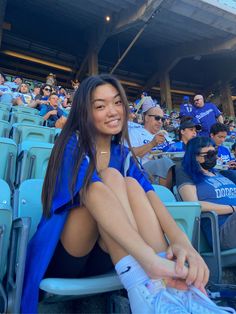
column 5, row 229
column 10, row 293
column 32, row 160
column 4, row 128
column 215, row 258
column 20, row 117
column 4, row 114
column 186, row 214
column 5, row 106
column 8, row 150
column 28, row 132
column 22, row 109
column 29, row 204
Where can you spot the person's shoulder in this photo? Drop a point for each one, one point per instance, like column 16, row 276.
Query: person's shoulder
column 223, row 149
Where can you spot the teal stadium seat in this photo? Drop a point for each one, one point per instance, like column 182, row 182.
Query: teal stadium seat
column 186, row 214
column 22, row 109
column 29, row 132
column 6, row 106
column 8, row 149
column 29, row 204
column 4, row 114
column 10, row 293
column 20, row 117
column 215, row 258
column 5, row 128
column 32, row 160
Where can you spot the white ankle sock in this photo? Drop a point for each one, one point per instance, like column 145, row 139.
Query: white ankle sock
column 130, row 272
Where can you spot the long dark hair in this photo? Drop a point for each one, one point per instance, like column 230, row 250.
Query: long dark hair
column 190, row 164
column 80, row 121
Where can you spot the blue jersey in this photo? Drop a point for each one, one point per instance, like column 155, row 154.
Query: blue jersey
column 42, row 245
column 207, row 116
column 223, row 155
column 186, row 110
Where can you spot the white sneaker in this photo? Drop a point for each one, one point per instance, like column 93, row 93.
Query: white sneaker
column 196, row 302
column 153, row 298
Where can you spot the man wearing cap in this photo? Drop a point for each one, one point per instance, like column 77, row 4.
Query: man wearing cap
column 187, row 130
column 150, row 138
column 186, row 108
column 207, row 114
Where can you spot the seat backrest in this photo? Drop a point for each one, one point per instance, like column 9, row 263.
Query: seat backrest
column 4, row 128
column 29, row 204
column 20, row 117
column 30, row 132
column 22, row 109
column 187, row 216
column 4, row 114
column 8, row 149
column 164, row 193
column 5, row 106
column 33, row 160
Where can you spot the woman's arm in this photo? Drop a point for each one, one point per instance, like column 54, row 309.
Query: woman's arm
column 188, row 193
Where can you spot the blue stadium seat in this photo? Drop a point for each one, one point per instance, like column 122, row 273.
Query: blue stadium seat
column 22, row 109
column 29, row 132
column 5, row 128
column 20, row 117
column 8, row 149
column 32, row 160
column 4, row 114
column 29, row 204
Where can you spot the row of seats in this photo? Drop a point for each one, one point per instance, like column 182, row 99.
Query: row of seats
column 28, row 205
column 28, row 159
column 20, row 114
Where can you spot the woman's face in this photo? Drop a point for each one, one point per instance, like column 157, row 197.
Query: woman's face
column 24, row 88
column 204, row 153
column 47, row 90
column 107, row 110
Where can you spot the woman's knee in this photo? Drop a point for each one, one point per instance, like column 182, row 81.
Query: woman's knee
column 133, row 185
column 111, row 175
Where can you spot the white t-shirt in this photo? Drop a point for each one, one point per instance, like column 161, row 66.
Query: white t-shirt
column 139, row 136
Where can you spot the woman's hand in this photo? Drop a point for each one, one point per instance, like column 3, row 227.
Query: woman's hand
column 198, row 273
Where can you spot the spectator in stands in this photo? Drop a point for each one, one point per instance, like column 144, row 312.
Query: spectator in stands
column 51, row 113
column 186, row 108
column 95, row 217
column 14, row 86
column 206, row 113
column 150, row 139
column 5, row 91
column 23, row 96
column 225, row 162
column 187, row 130
column 36, row 91
column 43, row 97
column 197, row 181
column 232, row 131
column 233, row 148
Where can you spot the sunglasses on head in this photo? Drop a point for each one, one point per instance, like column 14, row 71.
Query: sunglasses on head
column 157, row 118
column 47, row 89
column 209, row 154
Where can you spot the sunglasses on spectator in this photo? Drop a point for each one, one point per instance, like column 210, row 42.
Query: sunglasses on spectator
column 157, row 118
column 197, row 99
column 47, row 89
column 209, row 154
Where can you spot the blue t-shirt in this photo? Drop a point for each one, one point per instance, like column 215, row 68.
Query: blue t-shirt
column 207, row 116
column 223, row 155
column 53, row 118
column 216, row 189
column 186, row 110
column 4, row 89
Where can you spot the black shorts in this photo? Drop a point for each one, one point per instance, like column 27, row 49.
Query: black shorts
column 64, row 265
